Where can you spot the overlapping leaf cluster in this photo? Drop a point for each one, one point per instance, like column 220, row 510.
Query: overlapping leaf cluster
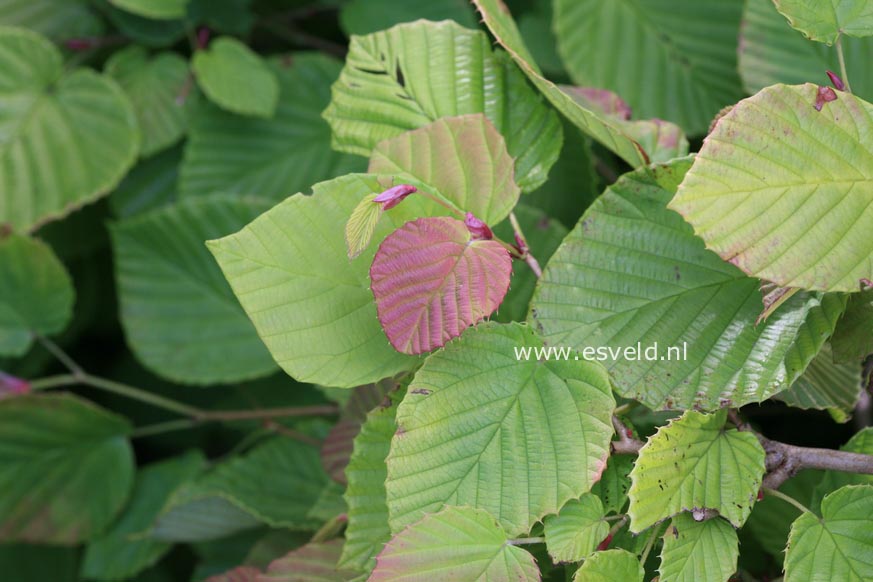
column 389, row 229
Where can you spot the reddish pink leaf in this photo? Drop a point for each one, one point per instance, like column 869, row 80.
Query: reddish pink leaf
column 824, row 95
column 314, row 561
column 477, row 228
column 599, row 100
column 432, row 279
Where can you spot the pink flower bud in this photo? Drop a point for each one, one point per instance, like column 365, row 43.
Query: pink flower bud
column 394, row 196
column 12, row 386
column 477, row 228
column 825, row 95
column 836, row 81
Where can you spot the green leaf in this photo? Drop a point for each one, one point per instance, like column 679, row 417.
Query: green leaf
column 368, row 510
column 770, row 53
column 693, row 463
column 603, row 129
column 314, row 562
column 330, row 503
column 238, row 574
column 861, row 443
column 695, row 551
column 156, row 9
column 458, row 543
column 236, row 79
column 633, row 275
column 66, row 468
column 180, row 316
column 367, row 16
column 610, row 566
column 154, row 86
column 574, row 533
column 57, row 19
column 826, row 20
column 311, row 306
column 149, row 185
column 772, row 517
column 269, row 158
column 853, row 337
column 145, row 31
column 68, row 139
column 773, row 190
column 837, row 546
column 463, row 157
column 36, row 295
column 195, row 516
column 362, row 224
column 408, row 76
column 544, row 236
column 662, row 43
column 277, row 483
column 119, row 554
column 614, row 483
column 826, row 386
column 477, row 423
column 234, row 17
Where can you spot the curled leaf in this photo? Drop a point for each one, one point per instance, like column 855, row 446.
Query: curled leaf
column 432, row 279
column 12, row 386
column 361, row 225
column 477, row 228
column 836, row 81
column 824, row 95
column 394, row 196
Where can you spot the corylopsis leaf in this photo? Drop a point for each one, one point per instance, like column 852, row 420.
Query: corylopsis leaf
column 432, row 279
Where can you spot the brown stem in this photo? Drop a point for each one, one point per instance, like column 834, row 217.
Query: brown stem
column 525, row 248
column 783, row 461
column 625, row 445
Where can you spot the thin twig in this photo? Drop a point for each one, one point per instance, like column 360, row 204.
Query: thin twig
column 842, row 59
column 164, row 427
column 649, row 544
column 521, row 241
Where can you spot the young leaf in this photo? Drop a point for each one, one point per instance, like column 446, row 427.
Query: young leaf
column 66, row 465
column 463, row 157
column 314, row 562
column 770, row 53
column 179, row 314
column 81, row 124
column 633, row 271
column 408, row 76
column 574, row 533
column 432, row 279
column 826, row 20
column 154, row 86
column 478, row 420
column 368, row 511
column 826, row 386
column 269, row 158
column 311, row 306
column 362, row 224
column 610, row 566
column 118, row 554
column 236, row 79
column 498, row 20
column 458, row 543
column 36, row 293
column 694, row 463
column 155, row 9
column 698, row 550
column 837, row 546
column 695, row 84
column 774, row 189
